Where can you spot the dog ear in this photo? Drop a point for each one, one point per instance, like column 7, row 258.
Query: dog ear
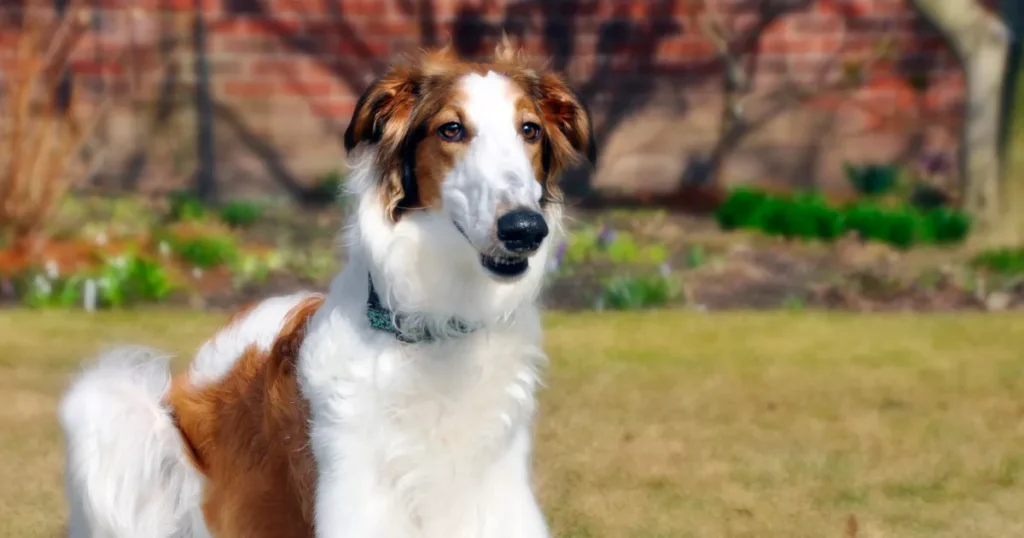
column 569, row 131
column 383, row 117
column 572, row 136
column 383, row 111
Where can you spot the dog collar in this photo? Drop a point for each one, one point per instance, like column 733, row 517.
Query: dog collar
column 383, row 319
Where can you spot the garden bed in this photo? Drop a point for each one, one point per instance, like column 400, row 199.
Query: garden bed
column 612, row 260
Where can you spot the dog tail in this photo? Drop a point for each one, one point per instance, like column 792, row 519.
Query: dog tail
column 128, row 473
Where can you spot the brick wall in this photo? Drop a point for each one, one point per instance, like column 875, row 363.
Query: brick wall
column 829, row 81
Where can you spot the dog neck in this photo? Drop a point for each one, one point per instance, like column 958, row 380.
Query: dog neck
column 383, row 319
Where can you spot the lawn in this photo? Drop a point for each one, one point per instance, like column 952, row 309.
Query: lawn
column 674, row 424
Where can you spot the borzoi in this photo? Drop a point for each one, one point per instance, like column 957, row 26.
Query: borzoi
column 397, row 405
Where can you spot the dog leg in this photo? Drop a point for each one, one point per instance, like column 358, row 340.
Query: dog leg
column 512, row 504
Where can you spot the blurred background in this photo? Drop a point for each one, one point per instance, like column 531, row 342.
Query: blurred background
column 768, row 172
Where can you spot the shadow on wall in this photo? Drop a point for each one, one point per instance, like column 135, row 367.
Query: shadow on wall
column 685, row 94
column 617, row 77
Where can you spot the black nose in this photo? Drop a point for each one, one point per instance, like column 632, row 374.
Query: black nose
column 522, row 230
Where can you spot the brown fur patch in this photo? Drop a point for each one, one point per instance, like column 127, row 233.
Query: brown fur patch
column 248, row 434
column 436, row 157
column 528, row 111
column 400, row 112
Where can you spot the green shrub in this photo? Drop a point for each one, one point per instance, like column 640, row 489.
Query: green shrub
column 696, row 256
column 828, row 221
column 867, row 220
column 207, row 252
column 805, row 216
column 130, row 279
column 772, row 217
column 592, row 244
column 872, row 179
column 902, row 228
column 809, row 216
column 186, row 206
column 256, row 268
column 121, row 281
column 946, row 226
column 622, row 248
column 906, row 226
column 36, row 290
column 1004, row 261
column 629, row 292
column 741, row 208
column 240, row 214
column 582, row 246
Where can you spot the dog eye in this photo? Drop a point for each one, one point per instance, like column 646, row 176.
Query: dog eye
column 452, row 132
column 530, row 131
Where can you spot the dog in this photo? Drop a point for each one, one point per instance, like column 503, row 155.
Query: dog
column 399, row 403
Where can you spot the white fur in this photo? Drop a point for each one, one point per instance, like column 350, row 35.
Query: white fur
column 490, row 178
column 260, row 326
column 425, row 440
column 127, row 474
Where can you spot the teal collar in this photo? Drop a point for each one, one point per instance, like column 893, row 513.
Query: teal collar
column 385, row 320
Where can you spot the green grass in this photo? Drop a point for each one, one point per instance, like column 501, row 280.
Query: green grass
column 671, row 424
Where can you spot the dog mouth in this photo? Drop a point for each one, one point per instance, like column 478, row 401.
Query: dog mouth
column 501, row 265
column 505, row 266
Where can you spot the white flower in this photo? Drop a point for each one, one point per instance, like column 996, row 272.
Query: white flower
column 43, row 285
column 52, row 270
column 197, row 273
column 665, row 270
column 120, row 262
column 164, row 248
column 101, row 238
column 89, row 295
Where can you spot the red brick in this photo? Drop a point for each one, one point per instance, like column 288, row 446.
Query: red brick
column 274, row 67
column 381, row 27
column 346, row 8
column 354, row 46
column 229, row 65
column 262, row 51
column 684, row 49
column 306, row 88
column 247, row 89
column 246, row 45
column 87, row 67
column 185, row 5
column 256, row 27
column 815, row 23
column 337, row 109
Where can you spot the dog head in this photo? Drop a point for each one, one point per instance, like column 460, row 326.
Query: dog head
column 455, row 166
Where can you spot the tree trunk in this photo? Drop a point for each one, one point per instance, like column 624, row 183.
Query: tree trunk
column 982, row 42
column 206, row 182
column 1013, row 128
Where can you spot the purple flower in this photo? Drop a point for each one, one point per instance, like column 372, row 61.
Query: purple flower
column 556, row 261
column 560, row 253
column 606, row 236
column 936, row 163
